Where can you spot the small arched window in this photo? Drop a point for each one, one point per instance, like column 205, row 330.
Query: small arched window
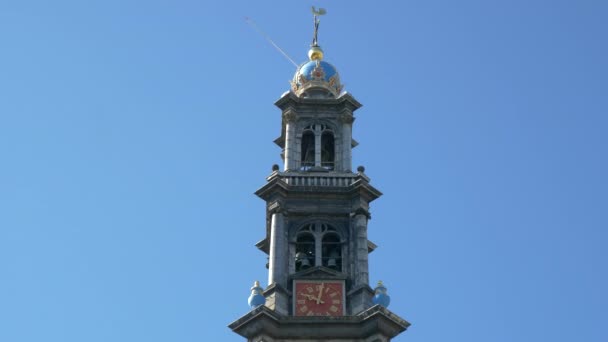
column 308, row 150
column 305, row 251
column 327, row 150
column 332, row 251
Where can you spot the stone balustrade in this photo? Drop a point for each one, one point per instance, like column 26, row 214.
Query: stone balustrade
column 321, row 179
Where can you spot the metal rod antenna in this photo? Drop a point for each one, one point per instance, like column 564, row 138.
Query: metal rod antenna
column 255, row 27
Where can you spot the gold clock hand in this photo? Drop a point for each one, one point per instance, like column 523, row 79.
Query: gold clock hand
column 320, row 293
column 308, row 296
column 311, row 297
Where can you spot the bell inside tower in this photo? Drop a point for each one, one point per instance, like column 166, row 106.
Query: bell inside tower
column 305, row 251
column 332, row 252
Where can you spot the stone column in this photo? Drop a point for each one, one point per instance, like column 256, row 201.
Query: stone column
column 318, row 145
column 318, row 246
column 347, row 137
column 277, row 268
column 361, row 276
column 290, row 141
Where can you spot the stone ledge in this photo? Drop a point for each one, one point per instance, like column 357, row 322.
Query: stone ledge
column 375, row 320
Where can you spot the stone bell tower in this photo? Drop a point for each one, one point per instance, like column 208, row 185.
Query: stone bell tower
column 317, row 213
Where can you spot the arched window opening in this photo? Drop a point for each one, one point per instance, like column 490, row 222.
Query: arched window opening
column 308, row 150
column 332, row 251
column 327, row 150
column 305, row 251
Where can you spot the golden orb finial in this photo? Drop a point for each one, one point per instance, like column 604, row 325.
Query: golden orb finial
column 315, row 53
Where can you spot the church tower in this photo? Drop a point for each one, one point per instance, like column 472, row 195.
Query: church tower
column 317, row 213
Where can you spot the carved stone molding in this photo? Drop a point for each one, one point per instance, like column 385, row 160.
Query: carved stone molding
column 346, row 117
column 361, row 211
column 289, row 116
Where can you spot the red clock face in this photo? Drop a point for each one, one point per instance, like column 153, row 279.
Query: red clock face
column 318, row 298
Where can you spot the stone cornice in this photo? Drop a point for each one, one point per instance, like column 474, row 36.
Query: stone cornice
column 375, row 320
column 290, row 99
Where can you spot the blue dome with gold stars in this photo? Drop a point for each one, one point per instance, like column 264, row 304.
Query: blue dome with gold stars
column 316, row 78
column 325, row 71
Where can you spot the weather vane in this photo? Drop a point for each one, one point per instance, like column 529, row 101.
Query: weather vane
column 316, row 13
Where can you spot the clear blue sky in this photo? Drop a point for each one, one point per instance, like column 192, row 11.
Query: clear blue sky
column 134, row 133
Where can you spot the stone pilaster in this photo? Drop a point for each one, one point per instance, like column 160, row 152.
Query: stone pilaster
column 346, row 119
column 290, row 140
column 277, row 265
column 361, row 276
